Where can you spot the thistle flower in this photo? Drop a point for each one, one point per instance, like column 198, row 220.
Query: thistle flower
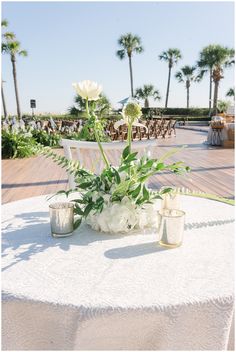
column 131, row 112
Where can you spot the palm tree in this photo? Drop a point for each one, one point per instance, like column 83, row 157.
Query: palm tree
column 230, row 93
column 12, row 47
column 145, row 92
column 223, row 106
column 213, row 59
column 186, row 75
column 172, row 56
column 3, row 100
column 4, row 24
column 102, row 106
column 130, row 44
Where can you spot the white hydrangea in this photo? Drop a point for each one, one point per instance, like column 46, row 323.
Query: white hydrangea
column 124, row 216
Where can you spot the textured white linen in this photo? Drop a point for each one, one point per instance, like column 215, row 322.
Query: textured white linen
column 94, row 291
column 221, row 137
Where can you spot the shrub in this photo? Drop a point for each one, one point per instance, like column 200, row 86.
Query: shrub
column 48, row 140
column 196, row 112
column 47, row 117
column 17, row 145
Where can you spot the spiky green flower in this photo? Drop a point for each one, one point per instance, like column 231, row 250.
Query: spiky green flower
column 132, row 110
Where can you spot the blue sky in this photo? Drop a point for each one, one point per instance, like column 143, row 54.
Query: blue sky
column 72, row 41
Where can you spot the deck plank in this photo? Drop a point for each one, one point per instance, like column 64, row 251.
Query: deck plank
column 212, row 170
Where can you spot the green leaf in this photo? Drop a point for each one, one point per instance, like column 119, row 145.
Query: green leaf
column 160, row 166
column 145, row 193
column 125, row 152
column 131, row 157
column 77, row 223
column 148, row 164
column 139, row 201
column 59, row 192
column 125, row 167
column 117, row 176
column 143, row 178
column 81, row 201
column 121, row 188
column 88, row 208
column 166, row 190
column 136, row 192
column 78, row 210
column 85, row 185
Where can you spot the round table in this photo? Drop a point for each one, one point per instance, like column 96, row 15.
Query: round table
column 95, row 291
column 217, row 136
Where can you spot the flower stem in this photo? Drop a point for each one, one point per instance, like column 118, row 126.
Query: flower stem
column 129, row 136
column 87, row 107
column 97, row 137
column 100, row 147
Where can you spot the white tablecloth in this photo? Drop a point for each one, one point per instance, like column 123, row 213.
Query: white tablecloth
column 221, row 136
column 94, row 291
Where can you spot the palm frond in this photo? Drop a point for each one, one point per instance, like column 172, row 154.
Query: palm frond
column 121, row 54
column 179, row 76
column 23, row 53
column 156, row 95
column 230, row 92
column 9, row 36
column 4, row 23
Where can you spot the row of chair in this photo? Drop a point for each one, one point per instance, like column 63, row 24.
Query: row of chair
column 154, row 128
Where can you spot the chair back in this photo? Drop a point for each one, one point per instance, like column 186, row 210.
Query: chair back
column 88, row 154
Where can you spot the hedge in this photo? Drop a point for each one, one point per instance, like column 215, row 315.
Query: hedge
column 196, row 112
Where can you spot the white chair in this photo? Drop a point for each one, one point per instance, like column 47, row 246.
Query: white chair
column 88, row 154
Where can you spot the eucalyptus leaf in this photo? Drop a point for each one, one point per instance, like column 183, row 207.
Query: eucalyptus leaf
column 77, row 223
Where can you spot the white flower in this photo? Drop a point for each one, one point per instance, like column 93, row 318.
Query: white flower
column 124, row 216
column 88, row 89
column 106, row 198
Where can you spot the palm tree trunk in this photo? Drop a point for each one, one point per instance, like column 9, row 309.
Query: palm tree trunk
column 4, row 102
column 13, row 60
column 168, row 87
column 131, row 76
column 146, row 103
column 210, row 92
column 187, row 88
column 216, row 88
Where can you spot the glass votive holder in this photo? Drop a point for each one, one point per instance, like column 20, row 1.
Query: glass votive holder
column 61, row 219
column 171, row 201
column 171, row 227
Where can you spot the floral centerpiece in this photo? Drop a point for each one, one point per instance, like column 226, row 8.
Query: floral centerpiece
column 117, row 200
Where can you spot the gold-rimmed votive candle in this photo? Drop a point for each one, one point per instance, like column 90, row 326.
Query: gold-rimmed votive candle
column 61, row 219
column 171, row 227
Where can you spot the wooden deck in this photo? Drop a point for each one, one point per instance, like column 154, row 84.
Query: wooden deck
column 212, row 170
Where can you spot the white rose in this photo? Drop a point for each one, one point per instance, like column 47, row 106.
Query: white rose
column 88, row 89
